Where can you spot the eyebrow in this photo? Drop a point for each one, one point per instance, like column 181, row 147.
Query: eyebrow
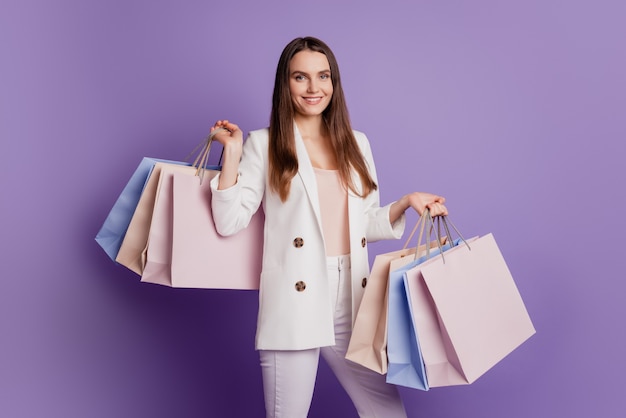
column 307, row 74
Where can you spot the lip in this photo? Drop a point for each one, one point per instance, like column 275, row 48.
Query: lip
column 313, row 100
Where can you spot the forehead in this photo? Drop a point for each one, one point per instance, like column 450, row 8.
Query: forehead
column 308, row 61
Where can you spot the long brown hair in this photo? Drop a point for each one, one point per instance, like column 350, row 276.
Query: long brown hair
column 283, row 161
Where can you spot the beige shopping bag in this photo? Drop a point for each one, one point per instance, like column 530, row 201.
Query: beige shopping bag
column 368, row 343
column 133, row 249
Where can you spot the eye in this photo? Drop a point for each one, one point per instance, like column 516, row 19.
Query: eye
column 299, row 77
column 325, row 76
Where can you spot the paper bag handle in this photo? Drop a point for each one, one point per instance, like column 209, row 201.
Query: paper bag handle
column 202, row 159
column 445, row 221
column 421, row 223
column 427, row 219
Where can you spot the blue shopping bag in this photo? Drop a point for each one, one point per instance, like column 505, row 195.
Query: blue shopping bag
column 406, row 365
column 113, row 230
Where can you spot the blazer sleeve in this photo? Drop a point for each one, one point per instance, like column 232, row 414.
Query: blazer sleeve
column 378, row 225
column 234, row 207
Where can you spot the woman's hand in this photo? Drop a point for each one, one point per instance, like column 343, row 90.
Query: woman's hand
column 419, row 201
column 231, row 138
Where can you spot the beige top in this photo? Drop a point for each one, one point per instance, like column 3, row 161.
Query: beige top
column 333, row 198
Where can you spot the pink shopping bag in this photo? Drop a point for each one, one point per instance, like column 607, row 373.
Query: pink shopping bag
column 183, row 248
column 467, row 312
column 200, row 256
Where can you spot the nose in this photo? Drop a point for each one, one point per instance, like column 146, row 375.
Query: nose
column 312, row 86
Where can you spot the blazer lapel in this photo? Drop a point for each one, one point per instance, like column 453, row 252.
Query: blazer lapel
column 307, row 175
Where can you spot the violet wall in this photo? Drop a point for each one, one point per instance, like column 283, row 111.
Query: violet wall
column 514, row 110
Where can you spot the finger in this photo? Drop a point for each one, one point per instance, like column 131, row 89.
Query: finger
column 437, row 209
column 231, row 126
column 225, row 124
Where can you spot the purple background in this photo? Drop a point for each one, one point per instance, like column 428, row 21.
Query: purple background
column 515, row 111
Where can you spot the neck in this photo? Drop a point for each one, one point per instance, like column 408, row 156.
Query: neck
column 310, row 128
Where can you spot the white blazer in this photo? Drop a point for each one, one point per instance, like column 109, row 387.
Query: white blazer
column 294, row 301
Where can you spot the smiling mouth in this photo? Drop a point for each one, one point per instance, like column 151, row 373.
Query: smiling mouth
column 312, row 100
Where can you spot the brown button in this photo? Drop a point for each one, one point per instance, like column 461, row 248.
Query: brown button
column 363, row 242
column 298, row 242
column 364, row 282
column 300, row 286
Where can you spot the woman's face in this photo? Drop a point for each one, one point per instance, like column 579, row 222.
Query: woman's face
column 310, row 83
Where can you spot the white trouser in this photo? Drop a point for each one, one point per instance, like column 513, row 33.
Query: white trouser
column 289, row 376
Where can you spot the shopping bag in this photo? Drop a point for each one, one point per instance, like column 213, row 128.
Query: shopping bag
column 368, row 342
column 406, row 366
column 403, row 352
column 183, row 248
column 132, row 250
column 468, row 312
column 425, row 329
column 235, row 261
column 113, row 230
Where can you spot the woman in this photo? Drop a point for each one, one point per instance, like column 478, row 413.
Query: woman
column 316, row 180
